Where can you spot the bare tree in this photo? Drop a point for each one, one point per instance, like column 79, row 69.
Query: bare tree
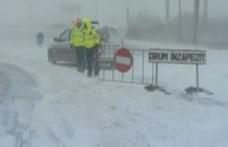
column 167, row 9
column 196, row 21
column 180, row 21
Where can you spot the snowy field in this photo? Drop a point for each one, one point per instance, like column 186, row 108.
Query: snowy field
column 43, row 105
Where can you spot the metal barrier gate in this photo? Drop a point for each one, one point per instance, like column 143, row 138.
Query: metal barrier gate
column 141, row 72
column 144, row 69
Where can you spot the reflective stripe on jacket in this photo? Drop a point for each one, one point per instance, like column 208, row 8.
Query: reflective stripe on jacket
column 91, row 38
column 77, row 37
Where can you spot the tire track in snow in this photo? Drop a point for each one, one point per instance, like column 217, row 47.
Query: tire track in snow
column 18, row 100
column 4, row 84
column 54, row 138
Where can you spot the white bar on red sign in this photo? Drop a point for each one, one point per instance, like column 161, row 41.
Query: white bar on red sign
column 123, row 60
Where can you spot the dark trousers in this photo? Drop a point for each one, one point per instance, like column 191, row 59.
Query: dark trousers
column 90, row 60
column 92, row 57
column 80, row 54
column 96, row 61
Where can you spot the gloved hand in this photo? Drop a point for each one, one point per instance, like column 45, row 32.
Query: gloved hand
column 97, row 45
column 71, row 46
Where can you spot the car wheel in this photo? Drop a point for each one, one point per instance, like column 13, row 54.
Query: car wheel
column 51, row 57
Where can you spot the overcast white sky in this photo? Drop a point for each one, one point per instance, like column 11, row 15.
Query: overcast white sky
column 108, row 11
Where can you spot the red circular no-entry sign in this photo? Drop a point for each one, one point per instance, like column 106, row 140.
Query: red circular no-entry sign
column 123, row 60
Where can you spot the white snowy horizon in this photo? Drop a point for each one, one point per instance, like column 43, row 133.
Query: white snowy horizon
column 32, row 12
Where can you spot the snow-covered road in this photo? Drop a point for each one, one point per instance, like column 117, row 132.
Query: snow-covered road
column 18, row 100
column 46, row 105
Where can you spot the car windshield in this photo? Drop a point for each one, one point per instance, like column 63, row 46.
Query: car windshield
column 142, row 73
column 65, row 36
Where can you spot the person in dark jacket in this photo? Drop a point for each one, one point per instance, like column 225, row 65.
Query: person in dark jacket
column 40, row 38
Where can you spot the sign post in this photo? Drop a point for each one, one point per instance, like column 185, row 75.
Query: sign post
column 197, row 76
column 168, row 56
column 156, row 75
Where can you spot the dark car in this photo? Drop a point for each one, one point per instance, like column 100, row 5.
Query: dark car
column 60, row 50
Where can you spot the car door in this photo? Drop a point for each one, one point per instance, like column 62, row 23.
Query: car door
column 65, row 52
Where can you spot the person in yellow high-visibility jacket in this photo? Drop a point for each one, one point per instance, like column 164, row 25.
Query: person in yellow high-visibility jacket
column 77, row 42
column 91, row 43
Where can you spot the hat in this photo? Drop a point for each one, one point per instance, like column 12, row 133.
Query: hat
column 77, row 21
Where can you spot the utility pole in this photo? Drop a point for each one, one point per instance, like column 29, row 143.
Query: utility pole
column 180, row 21
column 196, row 21
column 128, row 15
column 167, row 9
column 205, row 12
column 205, row 21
